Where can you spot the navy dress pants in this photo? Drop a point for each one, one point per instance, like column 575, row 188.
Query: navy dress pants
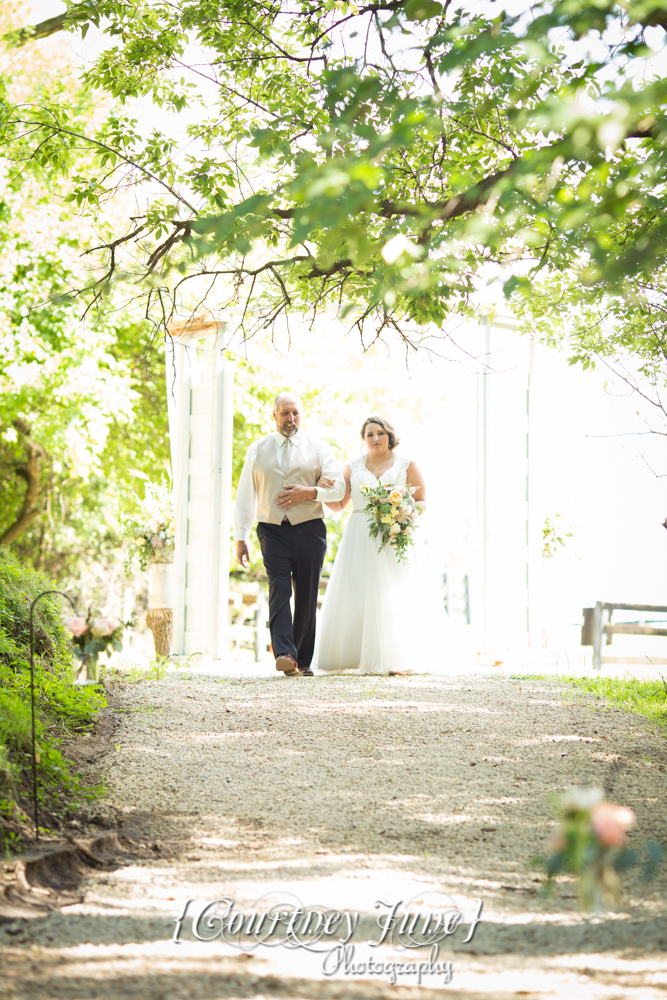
column 293, row 555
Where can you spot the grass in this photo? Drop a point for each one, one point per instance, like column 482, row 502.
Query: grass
column 132, row 673
column 647, row 698
column 156, row 670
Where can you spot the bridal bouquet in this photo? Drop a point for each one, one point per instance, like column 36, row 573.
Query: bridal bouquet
column 393, row 514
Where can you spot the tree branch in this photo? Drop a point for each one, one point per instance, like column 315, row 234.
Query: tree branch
column 121, row 156
column 15, row 39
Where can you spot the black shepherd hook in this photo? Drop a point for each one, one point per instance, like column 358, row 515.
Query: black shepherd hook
column 45, row 593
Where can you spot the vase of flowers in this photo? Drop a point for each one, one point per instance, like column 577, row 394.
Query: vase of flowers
column 92, row 636
column 151, row 533
column 589, row 843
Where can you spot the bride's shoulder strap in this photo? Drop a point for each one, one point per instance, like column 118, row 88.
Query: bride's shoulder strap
column 356, row 463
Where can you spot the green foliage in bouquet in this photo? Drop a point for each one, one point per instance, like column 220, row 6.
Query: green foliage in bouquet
column 590, row 844
column 393, row 514
column 63, row 709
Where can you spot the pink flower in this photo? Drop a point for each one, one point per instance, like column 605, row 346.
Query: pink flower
column 102, row 627
column 611, row 823
column 407, row 531
column 76, row 625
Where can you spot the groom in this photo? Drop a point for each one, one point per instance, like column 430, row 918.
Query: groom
column 278, row 482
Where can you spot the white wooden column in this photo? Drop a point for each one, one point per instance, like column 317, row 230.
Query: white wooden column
column 220, row 514
column 203, row 431
column 183, row 361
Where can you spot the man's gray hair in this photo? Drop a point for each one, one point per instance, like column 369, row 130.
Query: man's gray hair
column 286, row 395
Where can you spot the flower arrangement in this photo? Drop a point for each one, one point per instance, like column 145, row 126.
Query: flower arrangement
column 394, row 514
column 92, row 636
column 151, row 536
column 590, row 843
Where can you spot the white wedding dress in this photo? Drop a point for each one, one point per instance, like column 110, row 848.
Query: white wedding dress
column 379, row 615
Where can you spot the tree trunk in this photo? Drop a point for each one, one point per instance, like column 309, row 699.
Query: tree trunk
column 31, row 472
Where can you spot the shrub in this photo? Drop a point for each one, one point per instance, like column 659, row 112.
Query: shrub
column 61, row 707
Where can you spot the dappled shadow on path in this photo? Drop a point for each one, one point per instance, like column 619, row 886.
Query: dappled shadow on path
column 345, row 791
column 79, row 957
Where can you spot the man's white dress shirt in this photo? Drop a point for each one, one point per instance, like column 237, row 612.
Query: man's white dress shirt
column 245, row 507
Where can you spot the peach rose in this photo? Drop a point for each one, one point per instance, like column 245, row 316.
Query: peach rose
column 76, row 625
column 102, row 627
column 611, row 823
column 396, row 495
column 407, row 531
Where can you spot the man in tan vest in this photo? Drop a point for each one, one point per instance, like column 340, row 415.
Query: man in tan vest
column 278, row 485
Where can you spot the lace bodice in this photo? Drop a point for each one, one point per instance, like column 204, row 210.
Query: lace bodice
column 395, row 476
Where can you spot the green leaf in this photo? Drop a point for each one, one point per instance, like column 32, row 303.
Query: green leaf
column 421, row 10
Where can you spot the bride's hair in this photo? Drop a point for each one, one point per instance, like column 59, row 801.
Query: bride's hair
column 386, row 425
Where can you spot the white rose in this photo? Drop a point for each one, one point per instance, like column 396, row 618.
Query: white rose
column 581, row 799
column 395, row 529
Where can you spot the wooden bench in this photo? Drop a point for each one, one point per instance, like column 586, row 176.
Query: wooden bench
column 597, row 622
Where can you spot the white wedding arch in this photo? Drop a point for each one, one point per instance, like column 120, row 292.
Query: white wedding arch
column 200, row 382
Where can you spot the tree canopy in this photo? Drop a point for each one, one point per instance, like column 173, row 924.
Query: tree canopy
column 382, row 159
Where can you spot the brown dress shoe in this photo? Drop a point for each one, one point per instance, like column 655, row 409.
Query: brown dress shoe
column 288, row 665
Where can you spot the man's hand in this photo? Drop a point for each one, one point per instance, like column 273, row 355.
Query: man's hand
column 326, row 482
column 293, row 495
column 242, row 554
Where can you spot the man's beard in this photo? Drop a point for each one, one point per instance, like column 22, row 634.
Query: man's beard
column 288, row 432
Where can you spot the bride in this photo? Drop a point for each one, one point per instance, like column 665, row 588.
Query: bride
column 377, row 616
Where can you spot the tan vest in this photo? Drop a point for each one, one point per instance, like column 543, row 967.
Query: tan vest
column 270, row 480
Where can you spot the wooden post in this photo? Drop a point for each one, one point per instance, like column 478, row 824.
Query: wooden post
column 597, row 635
column 587, row 627
column 260, row 627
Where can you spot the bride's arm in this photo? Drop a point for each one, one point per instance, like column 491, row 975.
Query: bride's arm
column 339, row 504
column 415, row 478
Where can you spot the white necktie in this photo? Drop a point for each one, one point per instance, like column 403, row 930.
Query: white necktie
column 287, row 455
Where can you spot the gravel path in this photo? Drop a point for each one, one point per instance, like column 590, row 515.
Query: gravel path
column 345, row 791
